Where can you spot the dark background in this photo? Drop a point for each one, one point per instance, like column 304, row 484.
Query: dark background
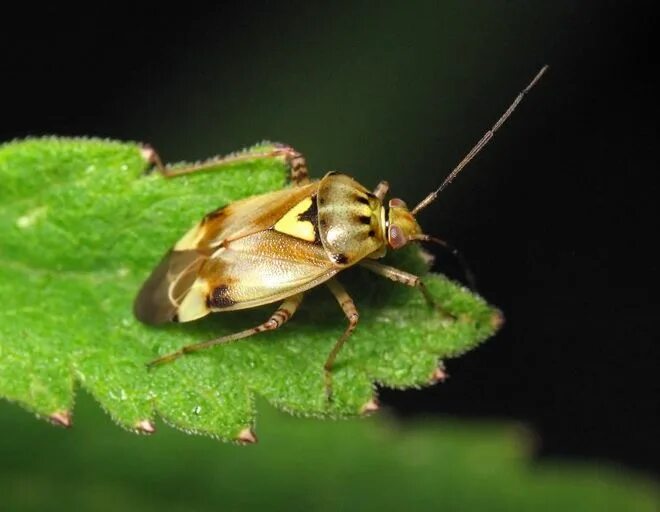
column 557, row 217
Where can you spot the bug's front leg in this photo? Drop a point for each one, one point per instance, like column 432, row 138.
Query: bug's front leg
column 277, row 319
column 293, row 159
column 381, row 189
column 348, row 306
column 406, row 278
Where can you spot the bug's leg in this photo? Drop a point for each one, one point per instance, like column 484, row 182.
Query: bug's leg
column 352, row 316
column 381, row 189
column 405, row 278
column 277, row 319
column 294, row 160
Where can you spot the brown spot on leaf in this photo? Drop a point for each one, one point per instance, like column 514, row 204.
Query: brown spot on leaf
column 370, row 407
column 497, row 320
column 438, row 375
column 145, row 427
column 61, row 419
column 247, row 436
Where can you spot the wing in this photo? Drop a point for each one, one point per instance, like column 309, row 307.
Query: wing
column 223, row 264
column 254, row 270
column 242, row 218
column 160, row 295
column 175, row 277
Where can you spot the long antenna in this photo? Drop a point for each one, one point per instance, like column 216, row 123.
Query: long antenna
column 479, row 145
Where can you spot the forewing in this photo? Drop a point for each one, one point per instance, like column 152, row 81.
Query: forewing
column 160, row 295
column 258, row 269
column 233, row 260
column 242, row 218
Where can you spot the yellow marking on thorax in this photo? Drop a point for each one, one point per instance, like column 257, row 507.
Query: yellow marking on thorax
column 289, row 224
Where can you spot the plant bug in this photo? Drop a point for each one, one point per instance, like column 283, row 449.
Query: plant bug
column 276, row 246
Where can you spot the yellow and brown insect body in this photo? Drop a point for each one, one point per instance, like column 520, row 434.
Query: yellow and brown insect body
column 334, row 224
column 274, row 247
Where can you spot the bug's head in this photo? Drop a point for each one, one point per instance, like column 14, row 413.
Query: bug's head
column 402, row 226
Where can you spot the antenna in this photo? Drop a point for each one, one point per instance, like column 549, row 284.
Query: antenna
column 479, row 145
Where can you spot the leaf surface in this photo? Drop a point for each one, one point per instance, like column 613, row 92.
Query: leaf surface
column 82, row 226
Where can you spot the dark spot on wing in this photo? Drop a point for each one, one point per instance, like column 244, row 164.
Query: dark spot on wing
column 362, row 199
column 364, row 219
column 219, row 297
column 340, row 259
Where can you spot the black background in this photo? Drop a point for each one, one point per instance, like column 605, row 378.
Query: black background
column 557, row 218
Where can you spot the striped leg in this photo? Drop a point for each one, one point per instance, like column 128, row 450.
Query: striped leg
column 405, row 278
column 352, row 316
column 293, row 159
column 277, row 319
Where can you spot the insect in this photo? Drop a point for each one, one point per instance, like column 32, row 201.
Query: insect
column 274, row 247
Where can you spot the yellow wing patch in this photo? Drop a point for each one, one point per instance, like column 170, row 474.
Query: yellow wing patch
column 194, row 304
column 293, row 225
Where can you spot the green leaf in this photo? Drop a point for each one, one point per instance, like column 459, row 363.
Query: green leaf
column 82, row 226
column 373, row 464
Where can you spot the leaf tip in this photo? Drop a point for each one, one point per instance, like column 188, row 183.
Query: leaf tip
column 61, row 419
column 148, row 153
column 497, row 320
column 370, row 407
column 247, row 436
column 438, row 375
column 145, row 427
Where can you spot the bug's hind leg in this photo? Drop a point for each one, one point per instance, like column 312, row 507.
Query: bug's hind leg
column 293, row 159
column 277, row 319
column 348, row 306
column 406, row 278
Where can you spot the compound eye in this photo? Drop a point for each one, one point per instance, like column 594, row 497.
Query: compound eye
column 396, row 238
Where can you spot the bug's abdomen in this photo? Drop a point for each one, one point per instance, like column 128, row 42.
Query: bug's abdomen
column 349, row 219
